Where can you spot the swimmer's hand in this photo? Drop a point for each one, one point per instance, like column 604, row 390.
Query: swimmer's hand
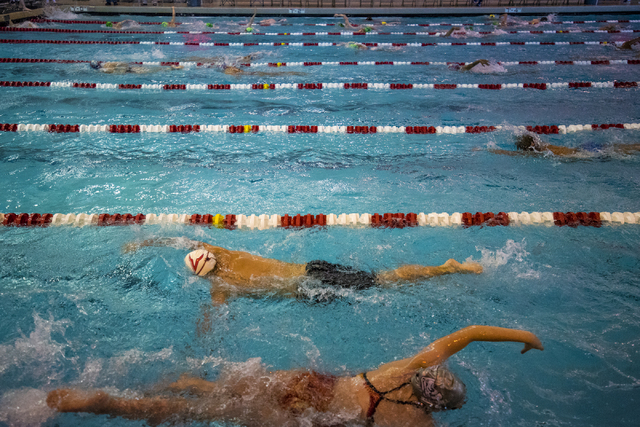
column 483, row 62
column 534, row 343
column 130, row 247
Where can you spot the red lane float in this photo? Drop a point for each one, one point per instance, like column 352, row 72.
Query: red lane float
column 571, row 219
column 488, row 218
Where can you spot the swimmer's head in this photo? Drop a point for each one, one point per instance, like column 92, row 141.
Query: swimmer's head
column 96, row 65
column 438, row 389
column 209, row 24
column 367, row 29
column 492, row 16
column 164, row 24
column 527, row 143
column 545, row 19
column 248, row 29
column 369, row 18
column 384, row 23
column 109, row 24
column 200, row 262
column 455, row 66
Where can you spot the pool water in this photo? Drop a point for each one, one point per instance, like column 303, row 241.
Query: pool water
column 78, row 312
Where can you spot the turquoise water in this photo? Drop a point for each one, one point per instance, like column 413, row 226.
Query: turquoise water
column 77, row 312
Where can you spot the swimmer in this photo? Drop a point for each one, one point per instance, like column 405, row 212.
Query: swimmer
column 537, row 21
column 451, row 30
column 25, row 24
column 628, row 45
column 267, row 22
column 531, row 144
column 235, row 71
column 469, row 67
column 245, row 272
column 125, row 67
column 249, row 27
column 609, row 27
column 399, row 393
column 119, row 25
column 346, row 24
column 354, row 45
column 172, row 23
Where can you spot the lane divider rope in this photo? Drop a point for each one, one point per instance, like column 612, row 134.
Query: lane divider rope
column 364, row 130
column 341, row 33
column 68, row 21
column 342, row 63
column 323, row 86
column 387, row 220
column 320, row 44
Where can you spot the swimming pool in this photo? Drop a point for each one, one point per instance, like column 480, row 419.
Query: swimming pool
column 78, row 312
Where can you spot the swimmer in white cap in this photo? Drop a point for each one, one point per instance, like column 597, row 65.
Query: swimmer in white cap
column 403, row 392
column 236, row 271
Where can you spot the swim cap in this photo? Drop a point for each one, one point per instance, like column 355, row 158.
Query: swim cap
column 109, row 24
column 164, row 24
column 200, row 262
column 209, row 24
column 492, row 16
column 438, row 388
column 367, row 29
column 384, row 23
column 95, row 65
column 248, row 29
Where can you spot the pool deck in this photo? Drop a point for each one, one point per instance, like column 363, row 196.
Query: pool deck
column 101, row 9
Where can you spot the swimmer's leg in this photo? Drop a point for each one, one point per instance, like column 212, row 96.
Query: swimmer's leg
column 409, row 273
column 627, row 148
column 155, row 410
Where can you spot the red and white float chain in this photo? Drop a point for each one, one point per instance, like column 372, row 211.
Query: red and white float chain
column 363, row 130
column 131, row 42
column 322, row 86
column 341, row 33
column 341, row 63
column 387, row 220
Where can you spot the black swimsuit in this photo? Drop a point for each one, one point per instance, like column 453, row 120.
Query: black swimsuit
column 376, row 396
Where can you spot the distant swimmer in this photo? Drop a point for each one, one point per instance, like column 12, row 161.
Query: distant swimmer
column 249, row 27
column 354, row 45
column 400, row 393
column 451, row 31
column 346, row 24
column 532, row 145
column 480, row 66
column 628, row 45
column 235, row 71
column 267, row 22
column 537, row 21
column 25, row 24
column 114, row 67
column 609, row 27
column 127, row 23
column 236, row 271
column 172, row 23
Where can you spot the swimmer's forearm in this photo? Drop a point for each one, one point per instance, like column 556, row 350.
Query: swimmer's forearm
column 177, row 242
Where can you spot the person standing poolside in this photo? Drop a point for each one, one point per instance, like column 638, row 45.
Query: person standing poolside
column 397, row 394
column 532, row 145
column 236, row 271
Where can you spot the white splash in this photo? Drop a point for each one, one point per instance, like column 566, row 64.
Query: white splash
column 25, row 407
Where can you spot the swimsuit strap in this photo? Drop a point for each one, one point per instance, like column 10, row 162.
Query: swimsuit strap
column 376, row 396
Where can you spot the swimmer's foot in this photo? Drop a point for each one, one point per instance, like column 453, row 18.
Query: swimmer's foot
column 468, row 267
column 68, row 400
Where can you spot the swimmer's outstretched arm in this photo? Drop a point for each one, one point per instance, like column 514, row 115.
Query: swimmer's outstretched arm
column 451, row 30
column 445, row 347
column 255, row 12
column 347, row 24
column 627, row 148
column 175, row 242
column 411, row 273
column 473, row 64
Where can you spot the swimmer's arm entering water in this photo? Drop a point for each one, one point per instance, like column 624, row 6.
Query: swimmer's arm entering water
column 445, row 347
column 172, row 23
column 628, row 44
column 174, row 242
column 255, row 12
column 451, row 30
column 467, row 67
